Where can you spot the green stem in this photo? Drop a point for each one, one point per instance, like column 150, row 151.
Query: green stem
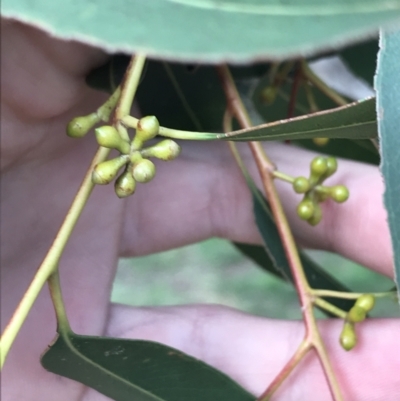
column 283, row 176
column 330, row 308
column 132, row 122
column 58, row 303
column 321, row 85
column 129, row 86
column 50, row 262
column 351, row 295
column 105, row 110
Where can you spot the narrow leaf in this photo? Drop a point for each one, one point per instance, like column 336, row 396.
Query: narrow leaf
column 388, row 108
column 127, row 370
column 354, row 121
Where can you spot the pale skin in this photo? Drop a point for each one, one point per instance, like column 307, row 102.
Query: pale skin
column 203, row 195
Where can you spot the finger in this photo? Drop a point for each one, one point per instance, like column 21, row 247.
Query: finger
column 203, row 194
column 253, row 350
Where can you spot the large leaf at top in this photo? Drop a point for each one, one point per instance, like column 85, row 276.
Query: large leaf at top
column 388, row 109
column 127, row 370
column 354, row 121
column 208, row 30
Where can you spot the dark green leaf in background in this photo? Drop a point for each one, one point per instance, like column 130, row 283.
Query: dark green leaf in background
column 387, row 86
column 361, row 59
column 136, row 370
column 207, row 30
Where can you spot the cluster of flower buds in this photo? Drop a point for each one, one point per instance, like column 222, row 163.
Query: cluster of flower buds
column 363, row 305
column 309, row 208
column 135, row 158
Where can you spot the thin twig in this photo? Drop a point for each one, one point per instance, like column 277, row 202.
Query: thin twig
column 266, row 169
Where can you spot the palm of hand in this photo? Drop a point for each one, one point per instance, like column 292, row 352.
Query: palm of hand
column 201, row 193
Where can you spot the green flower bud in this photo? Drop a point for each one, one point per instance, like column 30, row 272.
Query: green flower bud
column 105, row 172
column 109, row 137
column 305, row 209
column 366, row 302
column 147, row 128
column 268, row 95
column 348, row 338
column 80, row 126
column 320, row 141
column 339, row 193
column 317, row 215
column 125, row 184
column 164, row 150
column 356, row 314
column 319, row 166
column 144, row 171
column 332, row 166
column 301, row 185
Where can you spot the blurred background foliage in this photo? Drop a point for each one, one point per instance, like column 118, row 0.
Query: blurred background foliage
column 214, row 271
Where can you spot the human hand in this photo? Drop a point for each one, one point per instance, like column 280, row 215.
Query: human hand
column 203, row 195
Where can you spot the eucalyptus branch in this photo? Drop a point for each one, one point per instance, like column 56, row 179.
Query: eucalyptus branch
column 334, row 310
column 266, row 168
column 48, row 267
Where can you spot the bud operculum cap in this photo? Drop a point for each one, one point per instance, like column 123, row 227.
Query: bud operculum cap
column 305, row 209
column 163, row 150
column 125, row 185
column 144, row 171
column 109, row 137
column 147, row 128
column 348, row 338
column 105, row 172
column 366, row 301
column 80, row 126
column 301, row 185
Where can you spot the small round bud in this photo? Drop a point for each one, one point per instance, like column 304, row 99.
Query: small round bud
column 125, row 184
column 268, row 95
column 319, row 166
column 356, row 314
column 316, row 217
column 106, row 171
column 332, row 166
column 301, row 185
column 305, row 209
column 366, row 302
column 147, row 128
column 164, row 150
column 320, row 141
column 144, row 171
column 339, row 193
column 109, row 137
column 348, row 338
column 80, row 126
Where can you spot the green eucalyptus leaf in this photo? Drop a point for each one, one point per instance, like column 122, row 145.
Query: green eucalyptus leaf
column 207, row 30
column 359, row 150
column 356, row 120
column 387, row 87
column 361, row 59
column 127, row 370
